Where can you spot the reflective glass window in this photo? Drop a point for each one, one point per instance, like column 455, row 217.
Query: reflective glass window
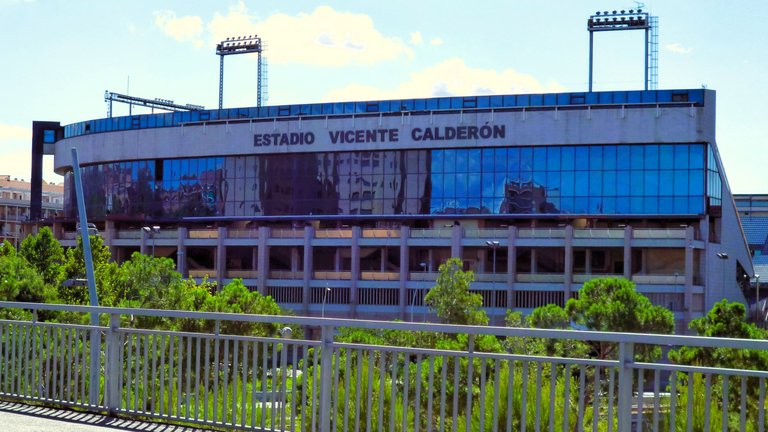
column 623, row 158
column 636, row 157
column 681, row 156
column 568, row 158
column 473, row 160
column 553, row 158
column 596, row 158
column 582, row 158
column 500, row 164
column 540, row 158
column 526, row 159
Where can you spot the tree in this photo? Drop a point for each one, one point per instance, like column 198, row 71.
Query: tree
column 105, row 271
column 451, row 299
column 45, row 253
column 237, row 298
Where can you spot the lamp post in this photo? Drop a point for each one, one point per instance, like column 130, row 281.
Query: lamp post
column 325, row 296
column 722, row 256
column 151, row 231
column 493, row 244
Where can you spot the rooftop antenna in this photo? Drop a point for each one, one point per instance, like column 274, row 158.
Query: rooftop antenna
column 632, row 19
column 242, row 45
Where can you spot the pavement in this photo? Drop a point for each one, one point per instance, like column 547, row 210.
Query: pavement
column 16, row 417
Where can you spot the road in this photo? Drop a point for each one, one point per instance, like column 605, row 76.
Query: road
column 15, row 417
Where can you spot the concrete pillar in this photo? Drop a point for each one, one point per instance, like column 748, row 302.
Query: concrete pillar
column 110, row 233
column 263, row 259
column 294, row 259
column 355, row 270
column 337, row 260
column 309, row 234
column 588, row 261
column 383, row 261
column 568, row 276
column 143, row 249
column 221, row 257
column 628, row 252
column 688, row 296
column 484, row 253
column 511, row 265
column 255, row 259
column 181, row 253
column 456, row 236
column 58, row 230
column 534, row 267
column 405, row 233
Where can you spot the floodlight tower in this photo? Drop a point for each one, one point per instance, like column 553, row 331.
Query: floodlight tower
column 240, row 45
column 634, row 19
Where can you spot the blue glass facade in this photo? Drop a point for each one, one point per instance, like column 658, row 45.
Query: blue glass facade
column 649, row 179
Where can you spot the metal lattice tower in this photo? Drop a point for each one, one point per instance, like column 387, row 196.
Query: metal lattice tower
column 653, row 52
column 242, row 45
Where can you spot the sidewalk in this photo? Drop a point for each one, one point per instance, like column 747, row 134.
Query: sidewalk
column 16, row 417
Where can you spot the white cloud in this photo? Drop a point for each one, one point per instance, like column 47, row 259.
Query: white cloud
column 324, row 37
column 186, row 28
column 436, row 41
column 449, row 78
column 678, row 48
column 416, row 38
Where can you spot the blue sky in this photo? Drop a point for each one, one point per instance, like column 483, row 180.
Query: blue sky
column 60, row 56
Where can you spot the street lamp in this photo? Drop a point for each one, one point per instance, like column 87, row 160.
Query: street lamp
column 325, row 296
column 151, row 231
column 722, row 256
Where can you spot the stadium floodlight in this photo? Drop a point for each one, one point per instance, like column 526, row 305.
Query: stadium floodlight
column 239, row 45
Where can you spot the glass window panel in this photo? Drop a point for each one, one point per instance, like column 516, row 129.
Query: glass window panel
column 595, row 183
column 696, row 182
column 473, row 160
column 636, row 157
column 636, row 205
column 681, row 183
column 513, row 159
column 553, row 183
column 474, row 203
column 462, row 160
column 461, row 185
column 540, row 158
column 526, row 159
column 666, row 156
column 651, row 205
column 651, row 182
column 567, row 158
column 500, row 164
column 582, row 158
column 596, row 158
column 609, row 205
column 581, row 186
column 651, row 156
column 696, row 156
column 622, row 205
column 636, row 185
column 666, row 205
column 488, row 161
column 622, row 183
column 500, row 180
column 696, row 205
column 553, row 158
column 681, row 156
column 488, row 189
column 666, row 182
column 437, row 185
column 609, row 157
column 474, row 185
column 449, row 161
column 437, row 161
column 567, row 183
column 581, row 205
column 566, row 204
column 487, row 204
column 681, row 204
column 609, row 183
column 623, row 157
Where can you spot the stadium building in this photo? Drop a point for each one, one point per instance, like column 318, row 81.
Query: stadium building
column 348, row 209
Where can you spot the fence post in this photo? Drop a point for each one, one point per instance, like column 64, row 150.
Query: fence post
column 95, row 367
column 113, row 368
column 626, row 358
column 326, row 384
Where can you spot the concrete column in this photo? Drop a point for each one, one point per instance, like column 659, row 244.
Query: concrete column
column 255, row 259
column 109, row 236
column 355, row 270
column 534, row 267
column 383, row 261
column 143, row 249
column 456, row 236
column 484, row 253
column 263, row 259
column 294, row 259
column 58, row 230
column 511, row 265
column 405, row 233
column 221, row 258
column 688, row 296
column 181, row 253
column 568, row 281
column 628, row 252
column 337, row 260
column 588, row 261
column 309, row 234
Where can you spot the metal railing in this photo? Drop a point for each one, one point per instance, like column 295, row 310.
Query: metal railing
column 279, row 383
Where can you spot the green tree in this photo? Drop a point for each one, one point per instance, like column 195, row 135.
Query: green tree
column 614, row 305
column 45, row 253
column 105, row 271
column 451, row 299
column 237, row 298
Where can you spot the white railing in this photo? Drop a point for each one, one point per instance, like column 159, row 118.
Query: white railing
column 432, row 233
column 541, row 233
column 658, row 233
column 610, row 233
column 257, row 382
column 487, row 233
